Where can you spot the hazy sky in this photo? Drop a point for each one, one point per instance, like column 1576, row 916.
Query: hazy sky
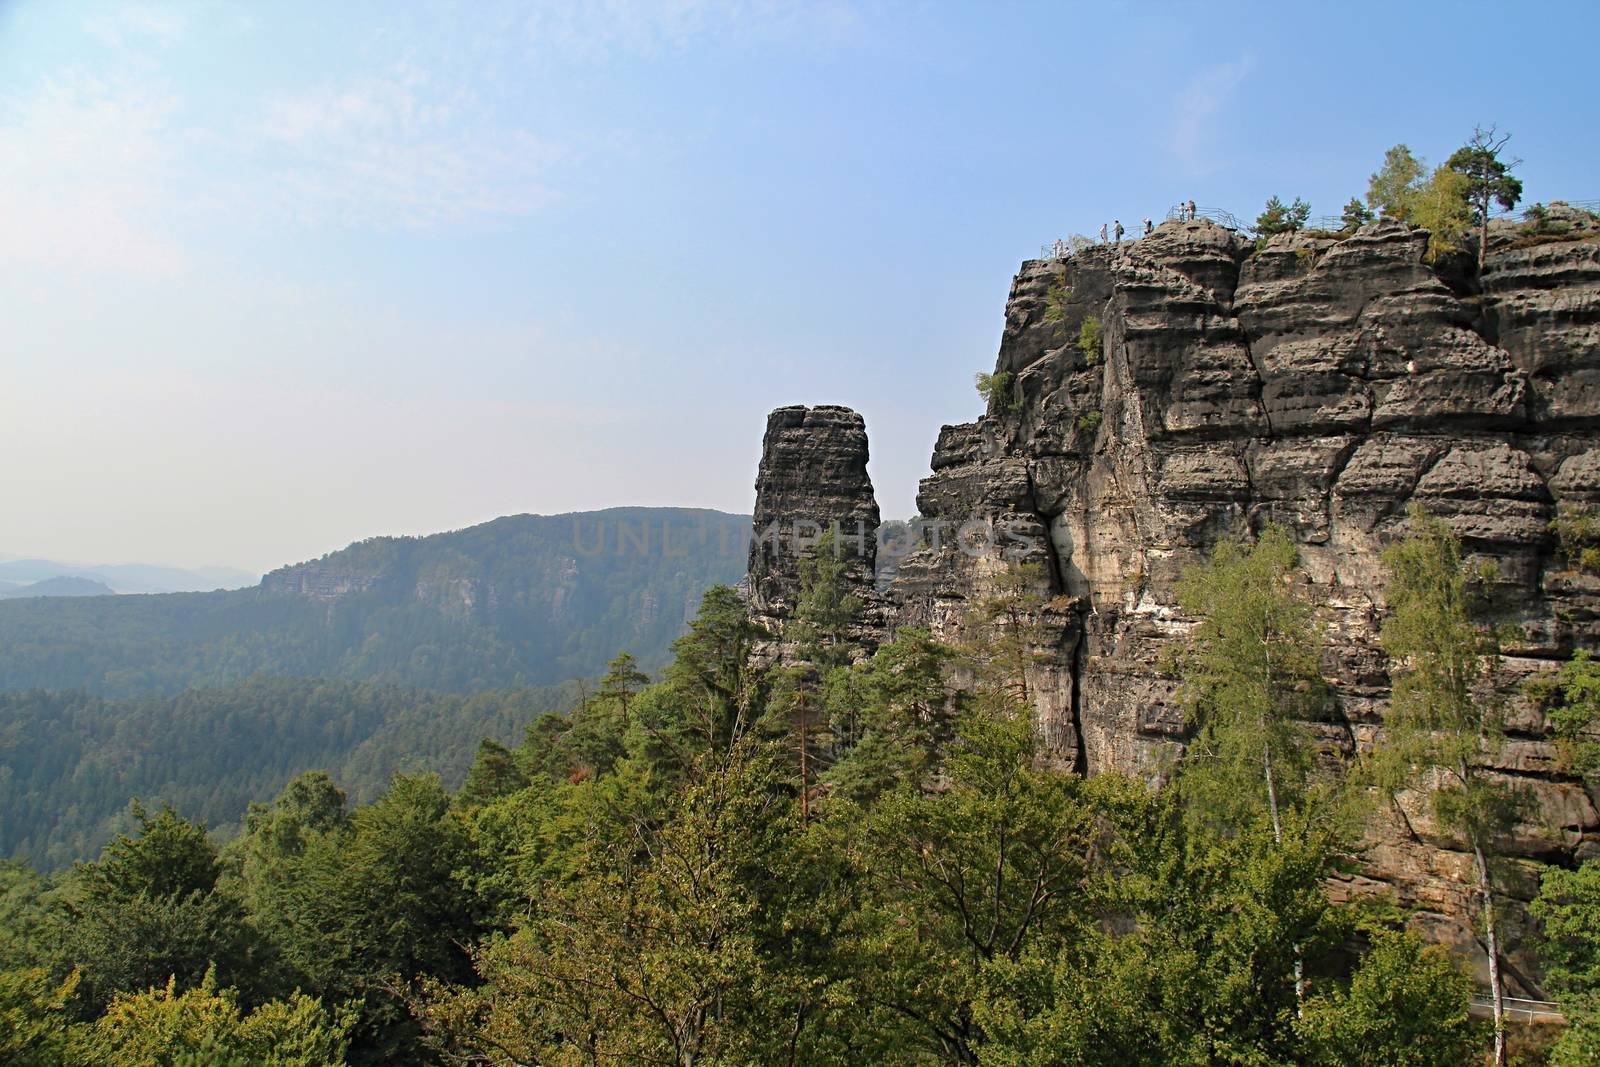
column 278, row 276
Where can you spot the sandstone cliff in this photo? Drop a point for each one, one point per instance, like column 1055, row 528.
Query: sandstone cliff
column 812, row 483
column 1317, row 382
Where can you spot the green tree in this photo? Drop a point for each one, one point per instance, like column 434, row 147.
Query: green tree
column 1055, row 302
column 1191, row 958
column 826, row 609
column 543, row 755
column 711, row 695
column 622, row 681
column 368, row 907
column 1279, row 217
column 1389, row 191
column 1444, row 723
column 1488, row 178
column 1568, row 910
column 904, row 714
column 149, row 910
column 1407, row 1005
column 1355, row 215
column 263, row 858
column 277, row 833
column 495, row 773
column 595, row 738
column 996, row 389
column 1439, row 205
column 1577, row 528
column 654, row 954
column 1571, row 697
column 1091, row 340
column 24, row 915
column 206, row 1025
column 170, row 857
column 992, row 867
column 1012, row 639
column 820, row 690
column 34, row 1024
column 1251, row 674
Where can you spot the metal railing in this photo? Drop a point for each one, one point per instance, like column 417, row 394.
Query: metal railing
column 1225, row 219
column 1545, row 1011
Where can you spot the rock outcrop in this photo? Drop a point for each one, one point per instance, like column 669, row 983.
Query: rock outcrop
column 812, row 489
column 1320, row 382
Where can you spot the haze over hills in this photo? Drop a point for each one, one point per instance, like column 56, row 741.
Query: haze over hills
column 394, row 653
column 60, row 585
column 17, row 574
column 519, row 601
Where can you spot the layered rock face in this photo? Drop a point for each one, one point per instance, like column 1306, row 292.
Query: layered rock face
column 1320, row 383
column 812, row 489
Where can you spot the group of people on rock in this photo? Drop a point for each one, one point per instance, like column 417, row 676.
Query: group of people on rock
column 1112, row 232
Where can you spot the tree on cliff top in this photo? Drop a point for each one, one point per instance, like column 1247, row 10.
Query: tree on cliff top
column 1438, row 203
column 1279, row 217
column 1355, row 215
column 1488, row 178
column 1389, row 190
column 1446, row 202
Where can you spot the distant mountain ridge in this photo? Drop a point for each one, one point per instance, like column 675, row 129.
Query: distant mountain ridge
column 60, row 585
column 125, row 577
column 519, row 601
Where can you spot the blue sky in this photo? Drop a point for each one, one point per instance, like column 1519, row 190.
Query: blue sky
column 281, row 276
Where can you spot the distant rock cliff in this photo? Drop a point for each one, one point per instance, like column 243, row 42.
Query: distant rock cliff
column 1319, row 382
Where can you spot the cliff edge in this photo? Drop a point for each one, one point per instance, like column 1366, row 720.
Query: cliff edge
column 1159, row 396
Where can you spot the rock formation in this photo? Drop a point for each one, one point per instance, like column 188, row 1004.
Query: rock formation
column 1317, row 381
column 812, row 489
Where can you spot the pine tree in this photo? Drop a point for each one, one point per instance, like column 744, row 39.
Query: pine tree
column 1279, row 217
column 1356, row 215
column 713, row 692
column 1488, row 178
column 494, row 774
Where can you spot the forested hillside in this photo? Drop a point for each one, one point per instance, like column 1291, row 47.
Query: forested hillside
column 833, row 863
column 523, row 600
column 69, row 762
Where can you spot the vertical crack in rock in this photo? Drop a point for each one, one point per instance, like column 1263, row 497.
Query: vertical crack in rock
column 1076, row 657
